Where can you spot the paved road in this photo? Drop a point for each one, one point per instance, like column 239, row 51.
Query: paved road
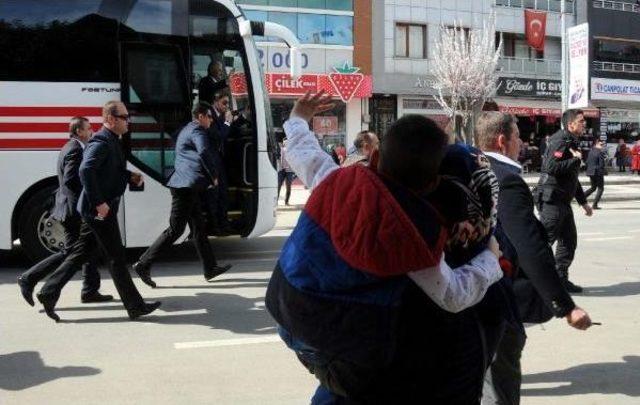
column 215, row 343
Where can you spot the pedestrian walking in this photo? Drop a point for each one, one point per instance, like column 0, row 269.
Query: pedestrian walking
column 104, row 177
column 535, row 283
column 64, row 210
column 596, row 170
column 195, row 171
column 621, row 155
column 635, row 158
column 558, row 185
column 285, row 173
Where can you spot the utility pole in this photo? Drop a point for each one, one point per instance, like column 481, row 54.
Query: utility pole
column 564, row 64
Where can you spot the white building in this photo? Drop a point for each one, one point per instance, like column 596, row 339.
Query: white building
column 404, row 32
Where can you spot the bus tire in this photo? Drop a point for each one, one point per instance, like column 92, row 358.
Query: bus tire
column 40, row 235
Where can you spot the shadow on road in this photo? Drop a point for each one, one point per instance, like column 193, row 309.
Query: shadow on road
column 22, row 370
column 224, row 311
column 615, row 290
column 596, row 378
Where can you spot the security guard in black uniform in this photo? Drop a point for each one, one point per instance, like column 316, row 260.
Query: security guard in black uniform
column 558, row 185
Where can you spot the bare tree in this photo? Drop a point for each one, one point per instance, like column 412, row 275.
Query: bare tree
column 464, row 71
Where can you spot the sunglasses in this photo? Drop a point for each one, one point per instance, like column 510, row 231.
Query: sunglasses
column 125, row 117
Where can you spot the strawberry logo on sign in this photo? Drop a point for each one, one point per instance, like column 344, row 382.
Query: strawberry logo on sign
column 346, row 80
column 238, row 84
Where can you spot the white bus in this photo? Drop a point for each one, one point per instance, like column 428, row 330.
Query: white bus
column 59, row 59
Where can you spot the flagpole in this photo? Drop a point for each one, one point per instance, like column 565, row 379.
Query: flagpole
column 564, row 76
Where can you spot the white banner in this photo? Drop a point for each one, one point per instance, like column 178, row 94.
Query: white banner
column 615, row 89
column 578, row 66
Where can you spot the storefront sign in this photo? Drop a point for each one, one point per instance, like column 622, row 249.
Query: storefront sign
column 533, row 88
column 578, row 66
column 340, row 85
column 327, row 125
column 545, row 112
column 615, row 89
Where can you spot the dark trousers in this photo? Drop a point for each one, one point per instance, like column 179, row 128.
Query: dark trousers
column 286, row 178
column 503, row 378
column 561, row 227
column 185, row 209
column 597, row 183
column 97, row 235
column 91, row 276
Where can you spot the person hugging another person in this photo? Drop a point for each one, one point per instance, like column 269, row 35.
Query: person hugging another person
column 362, row 292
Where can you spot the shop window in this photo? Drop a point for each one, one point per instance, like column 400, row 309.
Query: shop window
column 340, row 4
column 411, row 41
column 313, row 4
column 311, row 28
column 617, row 51
column 339, row 30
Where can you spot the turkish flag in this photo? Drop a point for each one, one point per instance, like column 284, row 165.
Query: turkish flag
column 535, row 26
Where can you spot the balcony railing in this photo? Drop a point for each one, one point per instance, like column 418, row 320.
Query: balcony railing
column 616, row 67
column 617, row 5
column 544, row 5
column 531, row 66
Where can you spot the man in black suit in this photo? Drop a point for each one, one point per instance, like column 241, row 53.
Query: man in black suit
column 195, row 171
column 595, row 170
column 65, row 211
column 212, row 83
column 525, row 246
column 216, row 197
column 104, row 177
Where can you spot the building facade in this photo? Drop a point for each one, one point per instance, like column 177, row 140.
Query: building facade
column 614, row 57
column 336, row 58
column 404, row 34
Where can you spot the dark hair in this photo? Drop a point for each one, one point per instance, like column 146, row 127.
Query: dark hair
column 570, row 116
column 221, row 94
column 75, row 124
column 201, row 108
column 490, row 125
column 411, row 151
column 490, row 105
column 110, row 108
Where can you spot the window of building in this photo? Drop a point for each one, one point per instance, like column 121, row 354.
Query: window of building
column 516, row 46
column 339, row 30
column 544, row 5
column 289, row 20
column 617, row 51
column 411, row 41
column 311, row 28
column 320, row 4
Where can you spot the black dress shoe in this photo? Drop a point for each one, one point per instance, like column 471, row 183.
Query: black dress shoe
column 144, row 272
column 95, row 297
column 145, row 309
column 27, row 290
column 49, row 305
column 595, row 207
column 215, row 271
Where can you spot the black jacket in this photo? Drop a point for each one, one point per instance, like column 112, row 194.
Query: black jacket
column 208, row 87
column 70, row 187
column 524, row 243
column 595, row 162
column 559, row 179
column 103, row 173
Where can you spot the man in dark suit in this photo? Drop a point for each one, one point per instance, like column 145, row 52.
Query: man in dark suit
column 595, row 170
column 212, row 83
column 525, row 246
column 216, row 197
column 195, row 171
column 64, row 211
column 104, row 177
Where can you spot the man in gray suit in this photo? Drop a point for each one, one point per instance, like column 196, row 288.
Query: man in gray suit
column 195, row 171
column 64, row 211
column 596, row 170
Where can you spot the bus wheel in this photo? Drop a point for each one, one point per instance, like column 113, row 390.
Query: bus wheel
column 40, row 235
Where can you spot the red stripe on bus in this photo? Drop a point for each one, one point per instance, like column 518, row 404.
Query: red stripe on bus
column 50, row 111
column 32, row 143
column 40, row 126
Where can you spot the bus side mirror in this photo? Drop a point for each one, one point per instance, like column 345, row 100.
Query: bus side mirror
column 270, row 29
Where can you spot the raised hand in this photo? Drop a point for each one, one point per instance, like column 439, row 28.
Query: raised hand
column 307, row 106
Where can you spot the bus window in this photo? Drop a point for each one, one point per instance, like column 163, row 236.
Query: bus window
column 64, row 41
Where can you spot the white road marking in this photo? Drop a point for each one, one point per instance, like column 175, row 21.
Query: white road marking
column 228, row 342
column 634, row 231
column 590, row 233
column 609, row 238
